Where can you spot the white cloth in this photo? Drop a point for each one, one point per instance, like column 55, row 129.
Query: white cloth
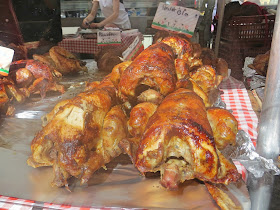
column 122, row 20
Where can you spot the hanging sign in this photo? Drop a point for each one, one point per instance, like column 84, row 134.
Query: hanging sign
column 6, row 57
column 108, row 38
column 176, row 19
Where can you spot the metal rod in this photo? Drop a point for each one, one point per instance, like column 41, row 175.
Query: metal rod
column 221, row 9
column 268, row 141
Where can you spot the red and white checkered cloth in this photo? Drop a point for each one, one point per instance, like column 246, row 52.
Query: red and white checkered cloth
column 236, row 98
column 242, row 170
column 11, row 203
column 89, row 46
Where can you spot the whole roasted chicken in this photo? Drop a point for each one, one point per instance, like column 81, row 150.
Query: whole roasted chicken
column 37, row 76
column 80, row 135
column 155, row 109
column 62, row 60
column 178, row 141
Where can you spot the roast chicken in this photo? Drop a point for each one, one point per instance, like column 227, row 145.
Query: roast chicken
column 63, row 61
column 155, row 108
column 260, row 63
column 163, row 67
column 36, row 76
column 153, row 68
column 178, row 141
column 80, row 135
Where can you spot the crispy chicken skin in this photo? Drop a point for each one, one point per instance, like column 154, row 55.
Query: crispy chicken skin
column 182, row 69
column 179, row 45
column 205, row 77
column 113, row 131
column 37, row 77
column 117, row 72
column 39, row 69
column 192, row 85
column 45, row 58
column 4, row 99
column 139, row 116
column 153, row 109
column 221, row 198
column 154, row 67
column 178, row 142
column 224, row 126
column 184, row 50
column 150, row 95
column 72, row 133
column 66, row 62
column 24, row 77
column 260, row 63
column 138, row 119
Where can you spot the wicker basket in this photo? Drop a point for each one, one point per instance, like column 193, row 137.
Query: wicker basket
column 245, row 36
column 257, row 28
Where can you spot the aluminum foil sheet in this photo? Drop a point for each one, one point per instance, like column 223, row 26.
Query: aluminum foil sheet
column 120, row 185
column 256, row 80
column 245, row 152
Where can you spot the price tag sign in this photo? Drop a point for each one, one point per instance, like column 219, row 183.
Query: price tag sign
column 175, row 18
column 108, row 38
column 6, row 57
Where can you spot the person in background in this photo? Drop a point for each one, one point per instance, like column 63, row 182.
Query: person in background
column 114, row 12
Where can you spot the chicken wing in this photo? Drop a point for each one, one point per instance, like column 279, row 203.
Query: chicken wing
column 138, row 119
column 206, row 77
column 224, row 126
column 113, row 131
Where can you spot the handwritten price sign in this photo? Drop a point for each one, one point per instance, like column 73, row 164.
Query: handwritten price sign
column 6, row 57
column 175, row 18
column 108, row 38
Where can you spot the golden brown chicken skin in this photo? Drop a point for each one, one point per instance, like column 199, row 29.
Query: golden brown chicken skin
column 37, row 77
column 224, row 126
column 179, row 45
column 139, row 116
column 66, row 62
column 154, row 67
column 178, row 142
column 138, row 119
column 72, row 133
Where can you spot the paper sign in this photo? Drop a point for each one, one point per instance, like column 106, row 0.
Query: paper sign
column 175, row 18
column 108, row 38
column 6, row 57
column 133, row 50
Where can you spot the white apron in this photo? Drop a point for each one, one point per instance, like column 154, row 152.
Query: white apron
column 122, row 20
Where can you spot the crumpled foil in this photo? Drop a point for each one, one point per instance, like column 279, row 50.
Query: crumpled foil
column 256, row 80
column 245, row 152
